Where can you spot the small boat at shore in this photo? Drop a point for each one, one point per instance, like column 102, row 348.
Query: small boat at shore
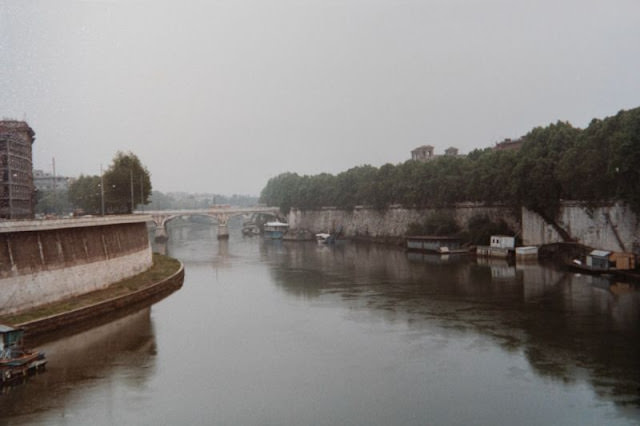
column 324, row 238
column 597, row 262
column 275, row 230
column 329, row 238
column 250, row 230
column 16, row 362
column 577, row 265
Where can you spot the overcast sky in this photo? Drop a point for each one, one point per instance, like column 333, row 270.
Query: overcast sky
column 219, row 96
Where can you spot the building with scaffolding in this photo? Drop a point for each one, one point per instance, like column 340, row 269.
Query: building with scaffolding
column 16, row 170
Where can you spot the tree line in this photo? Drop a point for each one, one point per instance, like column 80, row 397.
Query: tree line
column 126, row 179
column 183, row 200
column 125, row 184
column 600, row 163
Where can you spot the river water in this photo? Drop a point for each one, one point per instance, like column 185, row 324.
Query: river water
column 277, row 333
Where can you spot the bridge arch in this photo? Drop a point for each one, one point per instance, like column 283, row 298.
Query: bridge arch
column 221, row 215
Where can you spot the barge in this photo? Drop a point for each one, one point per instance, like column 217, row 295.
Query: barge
column 435, row 244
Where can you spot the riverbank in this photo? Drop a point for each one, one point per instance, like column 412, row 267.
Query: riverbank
column 164, row 277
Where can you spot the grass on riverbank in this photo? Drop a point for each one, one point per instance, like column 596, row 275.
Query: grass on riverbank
column 163, row 267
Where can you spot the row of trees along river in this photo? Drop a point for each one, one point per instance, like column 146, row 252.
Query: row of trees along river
column 125, row 180
column 595, row 164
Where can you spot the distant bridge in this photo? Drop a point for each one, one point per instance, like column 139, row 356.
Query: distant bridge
column 221, row 214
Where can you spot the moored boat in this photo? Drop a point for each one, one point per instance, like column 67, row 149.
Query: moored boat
column 250, row 230
column 275, row 230
column 324, row 238
column 16, row 362
column 329, row 238
column 435, row 244
column 597, row 262
column 577, row 265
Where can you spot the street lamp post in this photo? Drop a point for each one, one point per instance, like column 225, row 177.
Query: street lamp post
column 131, row 176
column 9, row 172
column 141, row 194
column 101, row 190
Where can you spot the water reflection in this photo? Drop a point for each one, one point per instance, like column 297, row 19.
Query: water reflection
column 570, row 327
column 121, row 353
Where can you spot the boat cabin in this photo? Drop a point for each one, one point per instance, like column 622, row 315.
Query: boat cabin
column 275, row 230
column 9, row 337
column 598, row 259
column 502, row 242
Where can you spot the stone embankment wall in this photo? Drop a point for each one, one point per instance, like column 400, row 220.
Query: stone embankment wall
column 46, row 261
column 390, row 223
column 128, row 302
column 610, row 227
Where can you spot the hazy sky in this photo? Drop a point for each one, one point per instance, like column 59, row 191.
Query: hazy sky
column 219, row 96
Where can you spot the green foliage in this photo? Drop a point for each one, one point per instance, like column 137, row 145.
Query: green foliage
column 125, row 179
column 438, row 223
column 183, row 200
column 490, row 176
column 481, row 228
column 283, row 191
column 535, row 175
column 53, row 202
column 84, row 193
column 557, row 162
column 127, row 183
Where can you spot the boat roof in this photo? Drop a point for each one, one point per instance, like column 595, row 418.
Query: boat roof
column 600, row 253
column 276, row 224
column 433, row 238
column 7, row 329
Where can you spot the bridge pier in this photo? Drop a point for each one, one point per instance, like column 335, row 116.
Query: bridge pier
column 223, row 229
column 223, row 232
column 161, row 234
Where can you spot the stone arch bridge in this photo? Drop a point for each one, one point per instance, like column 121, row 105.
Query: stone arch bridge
column 221, row 214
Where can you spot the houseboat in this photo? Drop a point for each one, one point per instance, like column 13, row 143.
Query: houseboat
column 16, row 362
column 501, row 246
column 596, row 262
column 275, row 230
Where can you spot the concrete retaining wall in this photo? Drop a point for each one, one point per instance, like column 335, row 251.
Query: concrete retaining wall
column 46, row 261
column 81, row 316
column 610, row 227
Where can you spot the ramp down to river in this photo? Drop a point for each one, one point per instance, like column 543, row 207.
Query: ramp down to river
column 44, row 261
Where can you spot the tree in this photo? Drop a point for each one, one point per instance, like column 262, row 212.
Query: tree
column 84, row 193
column 127, row 184
column 281, row 191
column 50, row 201
column 381, row 189
column 535, row 175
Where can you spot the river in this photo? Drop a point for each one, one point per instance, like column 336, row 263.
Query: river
column 278, row 333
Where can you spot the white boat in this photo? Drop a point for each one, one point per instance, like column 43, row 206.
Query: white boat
column 250, row 230
column 275, row 230
column 323, row 238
